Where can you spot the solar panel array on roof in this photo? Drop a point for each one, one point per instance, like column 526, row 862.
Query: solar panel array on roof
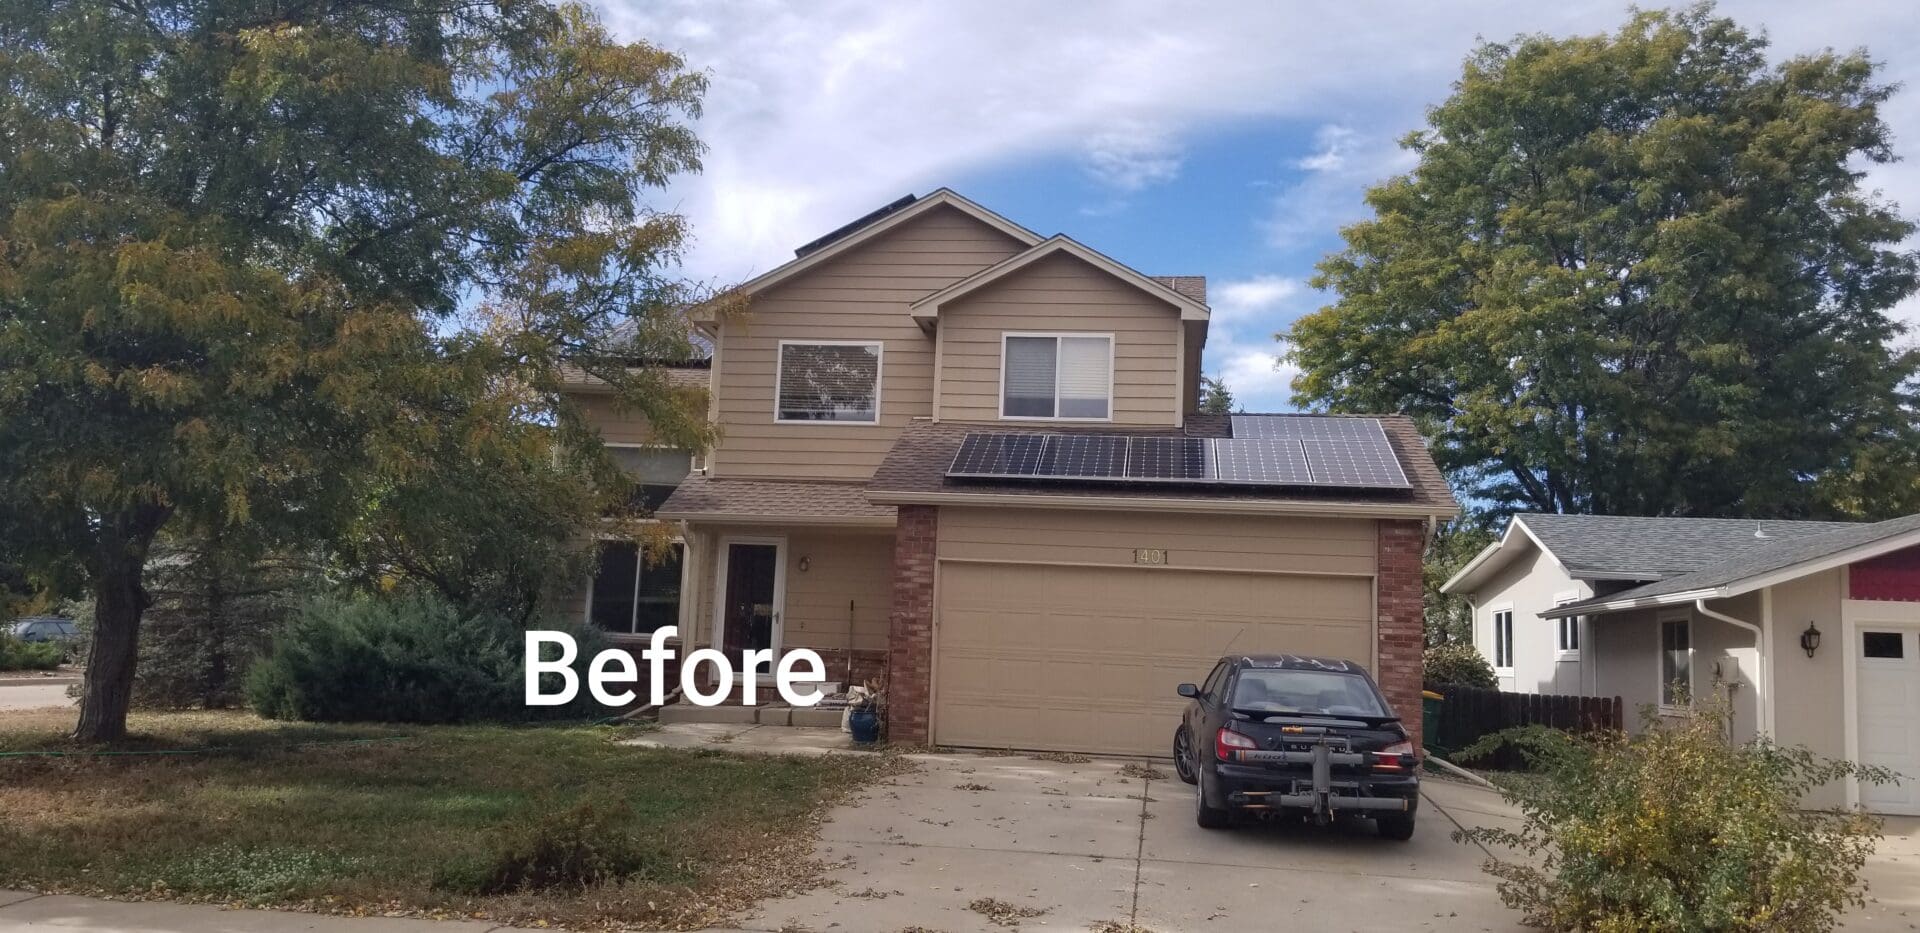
column 1348, row 453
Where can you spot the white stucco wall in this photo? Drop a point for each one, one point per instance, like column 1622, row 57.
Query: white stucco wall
column 1532, row 583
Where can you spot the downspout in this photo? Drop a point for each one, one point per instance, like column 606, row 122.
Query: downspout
column 1760, row 653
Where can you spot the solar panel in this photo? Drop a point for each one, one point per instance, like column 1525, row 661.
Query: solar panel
column 1338, row 462
column 1350, row 453
column 1084, row 456
column 1269, row 461
column 1304, row 427
column 998, row 455
column 1168, row 459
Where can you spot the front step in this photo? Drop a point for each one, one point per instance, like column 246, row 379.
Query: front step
column 766, row 714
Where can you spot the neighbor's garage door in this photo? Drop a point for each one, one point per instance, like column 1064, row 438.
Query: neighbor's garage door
column 1087, row 658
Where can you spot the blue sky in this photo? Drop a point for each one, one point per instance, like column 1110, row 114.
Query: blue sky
column 1224, row 139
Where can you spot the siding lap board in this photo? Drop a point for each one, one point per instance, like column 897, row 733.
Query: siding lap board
column 862, row 295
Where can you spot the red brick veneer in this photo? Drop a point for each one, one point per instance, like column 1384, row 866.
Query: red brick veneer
column 1399, row 548
column 910, row 626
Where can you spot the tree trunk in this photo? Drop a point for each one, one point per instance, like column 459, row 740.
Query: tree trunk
column 119, row 599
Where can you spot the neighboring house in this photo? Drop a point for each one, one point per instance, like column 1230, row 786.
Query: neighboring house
column 1809, row 628
column 1096, row 543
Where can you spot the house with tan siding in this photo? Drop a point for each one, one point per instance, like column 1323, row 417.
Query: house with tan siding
column 1808, row 632
column 965, row 459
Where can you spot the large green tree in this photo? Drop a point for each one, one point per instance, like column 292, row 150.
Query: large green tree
column 246, row 247
column 1637, row 273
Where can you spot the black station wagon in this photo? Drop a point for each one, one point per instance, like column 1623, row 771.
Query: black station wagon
column 1287, row 736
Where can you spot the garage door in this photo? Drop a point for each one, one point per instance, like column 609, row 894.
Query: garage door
column 1086, row 658
column 1889, row 710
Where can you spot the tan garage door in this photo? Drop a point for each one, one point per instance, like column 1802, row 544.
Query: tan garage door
column 1086, row 658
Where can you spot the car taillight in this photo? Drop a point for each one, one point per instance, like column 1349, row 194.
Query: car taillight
column 1395, row 757
column 1227, row 740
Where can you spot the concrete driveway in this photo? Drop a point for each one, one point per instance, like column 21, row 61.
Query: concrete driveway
column 1080, row 845
column 30, row 692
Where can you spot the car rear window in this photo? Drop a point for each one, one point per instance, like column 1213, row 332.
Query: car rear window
column 1304, row 691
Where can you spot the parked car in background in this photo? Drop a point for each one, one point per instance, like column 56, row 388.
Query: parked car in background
column 45, row 628
column 1286, row 736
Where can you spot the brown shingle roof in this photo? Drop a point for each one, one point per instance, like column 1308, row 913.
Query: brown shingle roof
column 703, row 498
column 917, row 467
column 1192, row 286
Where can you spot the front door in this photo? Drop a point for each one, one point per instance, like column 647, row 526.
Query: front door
column 751, row 611
column 1889, row 711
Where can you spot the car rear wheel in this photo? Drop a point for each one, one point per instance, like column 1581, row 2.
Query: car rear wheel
column 1208, row 817
column 1183, row 756
column 1395, row 826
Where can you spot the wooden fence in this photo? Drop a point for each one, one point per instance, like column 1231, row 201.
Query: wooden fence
column 1467, row 713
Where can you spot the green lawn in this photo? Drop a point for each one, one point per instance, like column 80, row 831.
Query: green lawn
column 382, row 818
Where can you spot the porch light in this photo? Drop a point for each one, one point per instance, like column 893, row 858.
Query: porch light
column 1810, row 639
column 806, row 563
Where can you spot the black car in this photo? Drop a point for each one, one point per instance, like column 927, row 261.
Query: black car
column 45, row 628
column 1286, row 735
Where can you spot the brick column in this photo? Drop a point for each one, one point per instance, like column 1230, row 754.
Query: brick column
column 1400, row 546
column 910, row 626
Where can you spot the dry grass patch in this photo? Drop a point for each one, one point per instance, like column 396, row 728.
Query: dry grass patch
column 566, row 825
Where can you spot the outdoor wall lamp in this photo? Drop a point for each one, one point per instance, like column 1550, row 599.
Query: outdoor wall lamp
column 806, row 563
column 1810, row 639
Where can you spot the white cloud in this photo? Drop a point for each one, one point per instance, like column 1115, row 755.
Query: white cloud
column 1334, row 142
column 1331, row 192
column 1242, row 348
column 819, row 112
column 1132, row 156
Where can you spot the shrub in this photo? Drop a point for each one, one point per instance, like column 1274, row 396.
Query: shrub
column 581, row 846
column 412, row 658
column 17, row 655
column 1458, row 663
column 1677, row 829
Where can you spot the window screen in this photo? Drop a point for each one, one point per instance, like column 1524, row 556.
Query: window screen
column 1062, row 376
column 1570, row 634
column 829, row 382
column 1031, row 377
column 632, row 595
column 656, row 472
column 1676, row 662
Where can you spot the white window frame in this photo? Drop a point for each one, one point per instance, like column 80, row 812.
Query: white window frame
column 879, row 378
column 1570, row 625
column 1660, row 658
column 1001, row 386
column 640, row 569
column 1493, row 620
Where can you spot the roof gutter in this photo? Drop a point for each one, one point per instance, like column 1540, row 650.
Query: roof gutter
column 1762, row 655
column 1646, row 602
column 1146, row 504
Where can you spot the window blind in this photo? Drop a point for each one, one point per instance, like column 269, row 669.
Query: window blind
column 1084, row 377
column 1030, row 377
column 829, row 382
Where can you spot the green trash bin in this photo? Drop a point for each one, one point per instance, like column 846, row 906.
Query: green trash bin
column 1430, row 717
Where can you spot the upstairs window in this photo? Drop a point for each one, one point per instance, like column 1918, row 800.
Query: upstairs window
column 656, row 471
column 1067, row 377
column 828, row 381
